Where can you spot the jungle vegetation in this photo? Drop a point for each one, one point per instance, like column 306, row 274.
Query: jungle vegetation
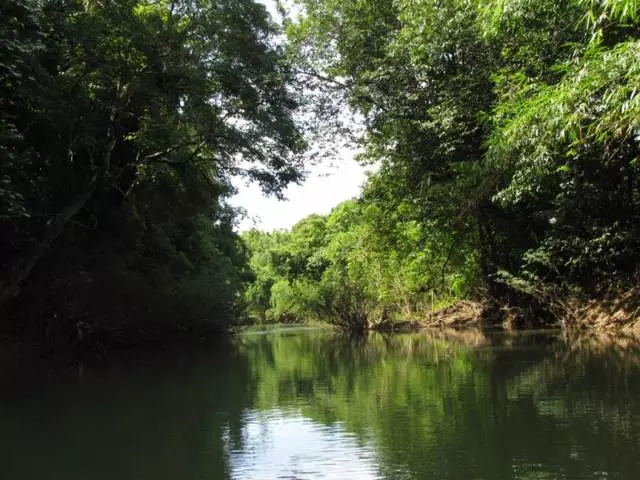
column 505, row 132
column 121, row 124
column 506, row 135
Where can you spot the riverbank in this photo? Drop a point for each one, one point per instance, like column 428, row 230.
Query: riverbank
column 610, row 312
column 615, row 311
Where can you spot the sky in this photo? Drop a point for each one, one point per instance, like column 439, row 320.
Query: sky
column 326, row 186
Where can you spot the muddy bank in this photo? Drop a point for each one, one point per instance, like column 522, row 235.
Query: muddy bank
column 460, row 315
column 617, row 312
column 610, row 312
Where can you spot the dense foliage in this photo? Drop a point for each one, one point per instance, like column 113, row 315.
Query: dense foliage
column 121, row 124
column 355, row 267
column 507, row 135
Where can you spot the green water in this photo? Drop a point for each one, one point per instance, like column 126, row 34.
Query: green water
column 305, row 404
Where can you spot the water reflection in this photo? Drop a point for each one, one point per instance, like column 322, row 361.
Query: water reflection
column 145, row 415
column 285, row 444
column 309, row 404
column 467, row 407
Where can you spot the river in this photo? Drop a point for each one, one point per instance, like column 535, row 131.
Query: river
column 309, row 404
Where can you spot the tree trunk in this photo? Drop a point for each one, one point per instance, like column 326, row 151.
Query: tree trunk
column 23, row 268
column 11, row 287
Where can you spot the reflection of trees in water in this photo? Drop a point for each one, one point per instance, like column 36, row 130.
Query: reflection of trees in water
column 434, row 405
column 146, row 415
column 436, row 408
column 593, row 387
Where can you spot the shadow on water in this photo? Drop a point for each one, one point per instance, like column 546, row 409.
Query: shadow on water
column 145, row 414
column 311, row 404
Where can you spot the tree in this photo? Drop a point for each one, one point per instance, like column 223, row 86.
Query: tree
column 507, row 129
column 360, row 266
column 135, row 114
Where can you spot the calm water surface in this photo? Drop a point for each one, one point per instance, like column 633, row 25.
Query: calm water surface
column 300, row 404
